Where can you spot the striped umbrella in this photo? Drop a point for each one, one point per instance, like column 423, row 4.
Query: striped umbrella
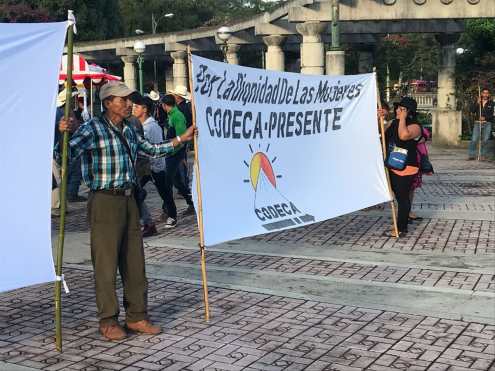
column 81, row 70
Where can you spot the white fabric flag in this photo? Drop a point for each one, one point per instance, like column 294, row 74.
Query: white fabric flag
column 280, row 150
column 30, row 57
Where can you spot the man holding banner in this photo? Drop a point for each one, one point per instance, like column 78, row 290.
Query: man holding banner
column 109, row 146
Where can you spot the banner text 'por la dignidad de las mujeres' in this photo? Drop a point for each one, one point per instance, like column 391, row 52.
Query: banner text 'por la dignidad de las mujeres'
column 243, row 106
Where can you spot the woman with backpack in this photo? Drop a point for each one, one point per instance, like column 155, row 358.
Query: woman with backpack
column 402, row 160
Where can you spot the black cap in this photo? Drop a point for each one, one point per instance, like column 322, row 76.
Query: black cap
column 408, row 103
column 144, row 101
column 168, row 99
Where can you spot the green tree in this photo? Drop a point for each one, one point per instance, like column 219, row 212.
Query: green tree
column 98, row 19
column 408, row 56
column 475, row 67
column 188, row 14
column 95, row 19
column 23, row 12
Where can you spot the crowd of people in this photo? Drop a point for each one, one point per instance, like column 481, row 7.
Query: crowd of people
column 156, row 118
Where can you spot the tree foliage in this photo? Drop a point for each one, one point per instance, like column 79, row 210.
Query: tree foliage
column 188, row 14
column 475, row 67
column 98, row 19
column 95, row 19
column 408, row 57
column 23, row 12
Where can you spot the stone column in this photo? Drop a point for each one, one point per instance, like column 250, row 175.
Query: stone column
column 335, row 62
column 446, row 78
column 179, row 68
column 275, row 57
column 312, row 47
column 231, row 53
column 169, row 77
column 446, row 120
column 130, row 71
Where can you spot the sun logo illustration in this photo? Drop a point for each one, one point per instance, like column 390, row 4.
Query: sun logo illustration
column 271, row 207
column 261, row 164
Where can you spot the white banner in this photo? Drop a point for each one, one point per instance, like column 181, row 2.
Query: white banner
column 281, row 150
column 30, row 57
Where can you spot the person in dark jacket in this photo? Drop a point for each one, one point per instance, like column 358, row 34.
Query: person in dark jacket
column 483, row 112
column 404, row 132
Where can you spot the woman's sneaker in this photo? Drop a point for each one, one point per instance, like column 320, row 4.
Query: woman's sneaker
column 170, row 223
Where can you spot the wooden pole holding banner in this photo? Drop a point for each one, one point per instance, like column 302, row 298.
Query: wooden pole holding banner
column 200, row 198
column 63, row 191
column 479, row 123
column 384, row 150
column 91, row 96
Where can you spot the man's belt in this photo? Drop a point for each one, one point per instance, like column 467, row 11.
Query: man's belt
column 117, row 191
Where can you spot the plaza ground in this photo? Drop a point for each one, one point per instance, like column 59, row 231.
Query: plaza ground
column 335, row 295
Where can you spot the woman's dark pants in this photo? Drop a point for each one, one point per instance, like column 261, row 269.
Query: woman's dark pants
column 401, row 186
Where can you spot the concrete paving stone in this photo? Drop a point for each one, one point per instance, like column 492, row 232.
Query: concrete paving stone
column 110, row 365
column 241, row 322
column 298, row 316
column 361, row 341
column 350, row 357
column 202, row 364
column 259, row 341
column 413, row 350
column 283, row 329
column 393, row 362
column 132, row 368
column 224, row 366
column 306, row 349
column 325, row 366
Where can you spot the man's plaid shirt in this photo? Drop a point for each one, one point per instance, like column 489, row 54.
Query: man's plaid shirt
column 105, row 161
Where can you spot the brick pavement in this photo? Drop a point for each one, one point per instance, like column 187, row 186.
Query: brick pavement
column 338, row 269
column 356, row 232
column 252, row 330
column 247, row 331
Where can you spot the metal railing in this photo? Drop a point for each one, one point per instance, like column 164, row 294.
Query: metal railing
column 426, row 101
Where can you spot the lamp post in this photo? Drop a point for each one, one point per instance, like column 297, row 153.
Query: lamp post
column 154, row 26
column 335, row 26
column 139, row 48
column 224, row 34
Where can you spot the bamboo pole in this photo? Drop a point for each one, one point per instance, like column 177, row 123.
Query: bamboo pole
column 395, row 230
column 91, row 95
column 63, row 195
column 479, row 123
column 200, row 198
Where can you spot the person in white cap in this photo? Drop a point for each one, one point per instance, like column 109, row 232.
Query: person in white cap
column 183, row 102
column 108, row 146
